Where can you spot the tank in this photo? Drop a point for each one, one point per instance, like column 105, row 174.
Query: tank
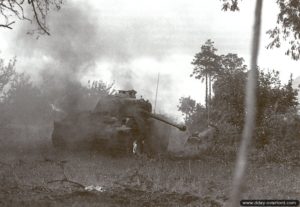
column 119, row 123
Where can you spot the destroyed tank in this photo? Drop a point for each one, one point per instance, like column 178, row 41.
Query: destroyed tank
column 119, row 123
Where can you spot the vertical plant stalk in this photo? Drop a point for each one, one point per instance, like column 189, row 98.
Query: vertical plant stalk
column 250, row 110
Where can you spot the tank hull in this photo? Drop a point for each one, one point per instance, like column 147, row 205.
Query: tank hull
column 91, row 131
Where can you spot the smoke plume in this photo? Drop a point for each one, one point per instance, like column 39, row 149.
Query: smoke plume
column 83, row 36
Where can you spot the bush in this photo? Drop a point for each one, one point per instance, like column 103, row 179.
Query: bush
column 226, row 141
column 278, row 139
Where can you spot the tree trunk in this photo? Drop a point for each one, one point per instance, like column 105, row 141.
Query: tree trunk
column 209, row 93
column 209, row 99
column 206, row 91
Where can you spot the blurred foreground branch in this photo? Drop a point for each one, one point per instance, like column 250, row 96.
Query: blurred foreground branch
column 250, row 111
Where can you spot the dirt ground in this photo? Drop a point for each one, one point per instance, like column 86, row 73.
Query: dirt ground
column 38, row 175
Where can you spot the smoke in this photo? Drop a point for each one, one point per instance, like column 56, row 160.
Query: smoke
column 58, row 61
column 83, row 37
column 71, row 47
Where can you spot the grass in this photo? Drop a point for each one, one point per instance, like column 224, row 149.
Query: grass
column 28, row 168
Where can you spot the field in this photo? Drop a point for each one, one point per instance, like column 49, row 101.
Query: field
column 32, row 173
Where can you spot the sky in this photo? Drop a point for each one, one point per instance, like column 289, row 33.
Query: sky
column 130, row 42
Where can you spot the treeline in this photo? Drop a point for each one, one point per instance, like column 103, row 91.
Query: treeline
column 277, row 122
column 23, row 102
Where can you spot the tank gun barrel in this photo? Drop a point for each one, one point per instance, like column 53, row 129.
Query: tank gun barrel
column 178, row 126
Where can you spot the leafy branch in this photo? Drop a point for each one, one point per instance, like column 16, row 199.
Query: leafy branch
column 287, row 28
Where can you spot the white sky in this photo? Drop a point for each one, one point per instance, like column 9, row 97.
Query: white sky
column 156, row 36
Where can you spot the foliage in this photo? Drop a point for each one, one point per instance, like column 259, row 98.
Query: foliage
column 25, row 102
column 193, row 113
column 91, row 93
column 279, row 138
column 205, row 61
column 99, row 88
column 227, row 109
column 226, row 143
column 229, row 90
column 67, row 95
column 231, row 5
column 197, row 121
column 187, row 106
column 6, row 75
column 206, row 66
column 231, row 63
column 287, row 28
column 272, row 96
column 12, row 10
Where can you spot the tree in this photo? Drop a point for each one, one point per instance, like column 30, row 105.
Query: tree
column 231, row 5
column 193, row 114
column 274, row 97
column 99, row 88
column 290, row 94
column 187, row 106
column 7, row 73
column 25, row 103
column 287, row 28
column 229, row 93
column 68, row 95
column 230, row 64
column 206, row 64
column 94, row 91
column 12, row 10
column 229, row 90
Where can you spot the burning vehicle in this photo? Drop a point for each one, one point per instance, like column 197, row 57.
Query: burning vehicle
column 118, row 123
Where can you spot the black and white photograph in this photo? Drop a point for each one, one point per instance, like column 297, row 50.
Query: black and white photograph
column 139, row 103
